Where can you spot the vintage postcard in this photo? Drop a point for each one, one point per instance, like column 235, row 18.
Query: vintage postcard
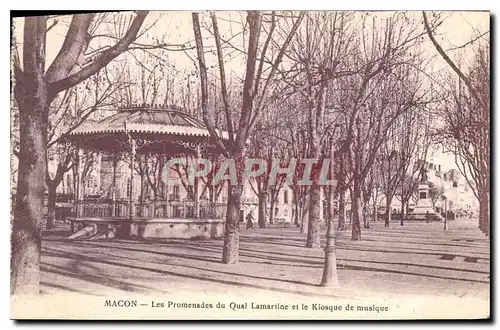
column 250, row 165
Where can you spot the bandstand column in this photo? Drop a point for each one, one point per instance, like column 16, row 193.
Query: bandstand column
column 113, row 187
column 132, row 164
column 196, row 188
column 79, row 186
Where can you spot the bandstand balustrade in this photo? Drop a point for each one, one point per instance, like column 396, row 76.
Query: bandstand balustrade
column 150, row 209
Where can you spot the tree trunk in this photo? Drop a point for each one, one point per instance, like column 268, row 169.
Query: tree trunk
column 141, row 197
column 486, row 205
column 375, row 212
column 484, row 214
column 388, row 202
column 296, row 215
column 305, row 214
column 231, row 236
column 330, row 263
column 31, row 183
column 357, row 211
column 366, row 209
column 341, row 225
column 34, row 98
column 155, row 204
column 402, row 213
column 196, row 195
column 313, row 231
column 26, row 230
column 366, row 222
column 365, row 225
column 305, row 219
column 31, row 95
column 262, row 210
column 211, row 192
column 271, row 211
column 51, row 206
column 480, row 218
column 218, row 191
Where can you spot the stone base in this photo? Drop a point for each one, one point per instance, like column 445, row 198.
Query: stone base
column 423, row 209
column 146, row 228
column 172, row 228
column 417, row 215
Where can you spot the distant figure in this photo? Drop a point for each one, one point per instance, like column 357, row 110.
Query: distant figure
column 250, row 220
column 427, row 216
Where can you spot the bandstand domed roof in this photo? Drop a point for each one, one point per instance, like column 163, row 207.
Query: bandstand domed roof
column 149, row 125
column 146, row 119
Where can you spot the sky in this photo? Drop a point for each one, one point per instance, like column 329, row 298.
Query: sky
column 176, row 27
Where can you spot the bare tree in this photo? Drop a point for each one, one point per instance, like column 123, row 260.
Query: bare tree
column 214, row 188
column 297, row 146
column 343, row 174
column 255, row 91
column 375, row 197
column 35, row 87
column 268, row 142
column 413, row 146
column 390, row 174
column 259, row 148
column 383, row 89
column 467, row 121
column 319, row 46
column 436, row 191
column 153, row 166
column 72, row 109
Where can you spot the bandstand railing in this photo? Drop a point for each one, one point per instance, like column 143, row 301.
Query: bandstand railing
column 151, row 209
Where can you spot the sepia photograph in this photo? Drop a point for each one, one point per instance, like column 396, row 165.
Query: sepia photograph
column 257, row 165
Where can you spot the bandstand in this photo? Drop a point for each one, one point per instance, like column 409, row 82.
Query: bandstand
column 132, row 133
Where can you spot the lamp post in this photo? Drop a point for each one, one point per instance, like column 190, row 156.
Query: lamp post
column 330, row 264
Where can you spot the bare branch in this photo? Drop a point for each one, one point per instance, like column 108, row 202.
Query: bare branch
column 106, row 57
column 225, row 99
column 204, row 81
column 469, row 42
column 451, row 64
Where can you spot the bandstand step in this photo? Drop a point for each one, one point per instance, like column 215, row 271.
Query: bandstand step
column 85, row 232
column 102, row 234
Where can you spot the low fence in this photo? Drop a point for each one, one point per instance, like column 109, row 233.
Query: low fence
column 150, row 209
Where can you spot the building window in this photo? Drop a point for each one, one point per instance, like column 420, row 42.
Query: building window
column 128, row 187
column 175, row 192
column 89, row 182
column 285, row 197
